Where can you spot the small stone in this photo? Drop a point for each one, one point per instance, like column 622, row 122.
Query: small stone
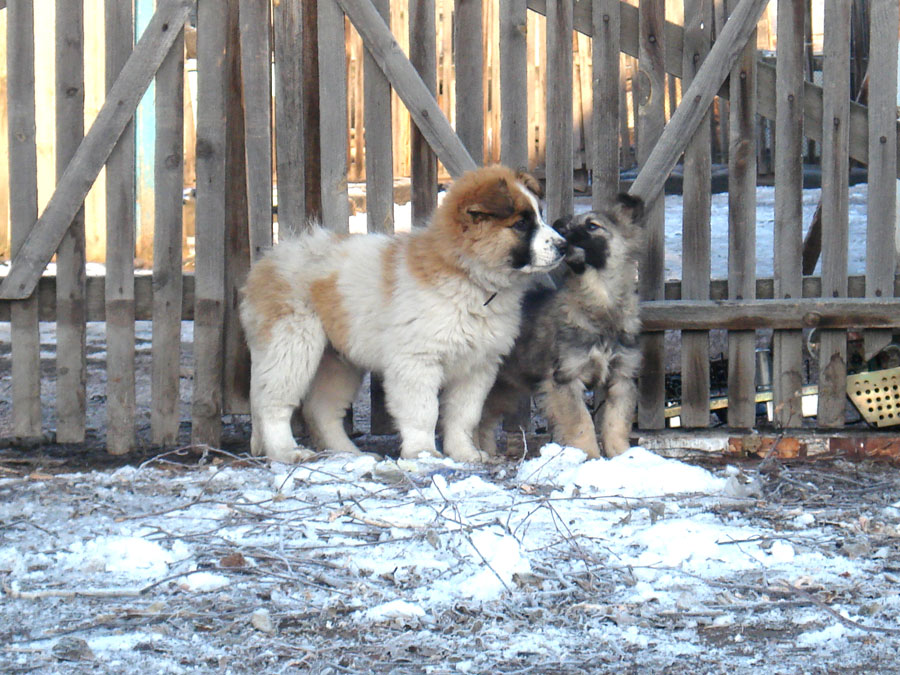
column 261, row 620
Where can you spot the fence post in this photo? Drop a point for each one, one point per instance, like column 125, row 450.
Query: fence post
column 24, row 337
column 835, row 195
column 423, row 162
column 70, row 258
column 787, row 353
column 209, row 274
column 120, row 248
column 651, row 120
column 165, row 373
column 742, row 229
column 696, row 223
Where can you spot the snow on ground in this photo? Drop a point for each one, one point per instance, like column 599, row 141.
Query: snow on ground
column 555, row 563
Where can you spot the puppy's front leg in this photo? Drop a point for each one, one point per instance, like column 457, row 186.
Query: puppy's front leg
column 463, row 400
column 411, row 395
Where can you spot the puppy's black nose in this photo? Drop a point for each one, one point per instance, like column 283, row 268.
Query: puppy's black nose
column 562, row 246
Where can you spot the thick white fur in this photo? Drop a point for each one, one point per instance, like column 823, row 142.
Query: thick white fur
column 445, row 333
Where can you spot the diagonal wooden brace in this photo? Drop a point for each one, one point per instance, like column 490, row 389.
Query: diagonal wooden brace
column 402, row 75
column 121, row 102
column 697, row 99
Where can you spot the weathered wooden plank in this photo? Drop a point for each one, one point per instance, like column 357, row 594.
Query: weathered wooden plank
column 423, row 161
column 748, row 315
column 165, row 374
column 379, row 184
column 73, row 186
column 881, row 211
column 698, row 97
column 605, row 114
column 333, row 123
column 312, row 160
column 71, row 362
column 787, row 347
column 24, row 336
column 120, row 247
column 4, row 145
column 469, row 62
column 651, row 121
column 835, row 200
column 209, row 274
column 289, row 116
column 143, row 294
column 237, row 226
column 742, row 223
column 256, row 78
column 408, row 85
column 560, row 194
column 696, row 224
column 513, row 84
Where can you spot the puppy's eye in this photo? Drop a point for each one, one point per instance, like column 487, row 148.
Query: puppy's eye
column 593, row 226
column 521, row 225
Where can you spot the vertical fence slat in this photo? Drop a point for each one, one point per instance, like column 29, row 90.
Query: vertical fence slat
column 165, row 371
column 256, row 79
column 423, row 163
column 25, row 338
column 289, row 114
column 514, row 124
column 835, row 170
column 605, row 115
column 787, row 346
column 71, row 364
column 312, row 158
column 467, row 34
column 742, row 231
column 558, row 83
column 333, row 125
column 882, row 194
column 379, row 182
column 209, row 275
column 237, row 225
column 120, row 251
column 513, row 84
column 651, row 120
column 696, row 219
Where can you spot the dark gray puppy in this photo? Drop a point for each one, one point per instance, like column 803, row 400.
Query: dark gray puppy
column 583, row 334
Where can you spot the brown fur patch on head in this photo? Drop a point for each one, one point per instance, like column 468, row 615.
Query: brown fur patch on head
column 478, row 212
column 268, row 293
column 329, row 305
column 531, row 183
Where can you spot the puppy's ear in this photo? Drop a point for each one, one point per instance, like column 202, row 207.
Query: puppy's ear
column 491, row 201
column 530, row 182
column 629, row 208
column 563, row 225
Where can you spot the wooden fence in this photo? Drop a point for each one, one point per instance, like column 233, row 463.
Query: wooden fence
column 308, row 135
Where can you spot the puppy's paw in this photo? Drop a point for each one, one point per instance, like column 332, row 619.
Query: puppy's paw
column 417, row 453
column 614, row 448
column 290, row 456
column 467, row 453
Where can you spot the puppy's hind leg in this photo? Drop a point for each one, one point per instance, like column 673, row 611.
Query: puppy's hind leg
column 282, row 368
column 332, row 392
column 570, row 420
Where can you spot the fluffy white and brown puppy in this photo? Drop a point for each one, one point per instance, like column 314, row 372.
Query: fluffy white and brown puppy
column 431, row 311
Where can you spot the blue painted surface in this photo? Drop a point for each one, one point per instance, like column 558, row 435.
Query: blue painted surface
column 145, row 136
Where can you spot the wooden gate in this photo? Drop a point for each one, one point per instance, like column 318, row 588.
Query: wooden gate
column 240, row 130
